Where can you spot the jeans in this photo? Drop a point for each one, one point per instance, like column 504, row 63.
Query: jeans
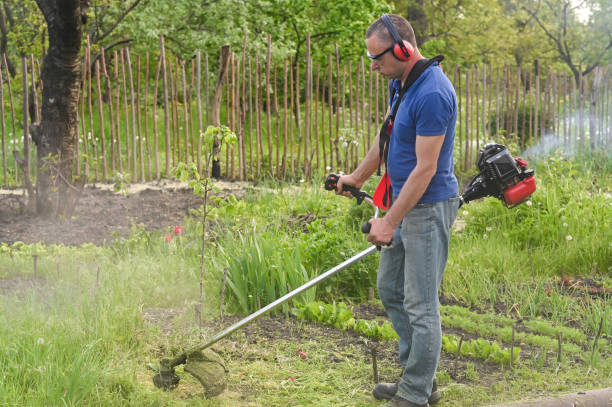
column 409, row 276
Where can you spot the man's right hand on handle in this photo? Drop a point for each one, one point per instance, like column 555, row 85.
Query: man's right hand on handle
column 347, row 180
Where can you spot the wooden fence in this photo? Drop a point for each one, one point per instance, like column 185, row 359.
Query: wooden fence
column 293, row 119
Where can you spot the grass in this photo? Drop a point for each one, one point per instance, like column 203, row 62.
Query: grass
column 76, row 333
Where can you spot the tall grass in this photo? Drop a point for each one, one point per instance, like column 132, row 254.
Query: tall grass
column 261, row 270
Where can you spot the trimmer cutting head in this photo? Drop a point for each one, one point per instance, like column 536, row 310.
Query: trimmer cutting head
column 166, row 378
column 205, row 365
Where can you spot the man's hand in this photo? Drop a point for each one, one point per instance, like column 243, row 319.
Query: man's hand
column 381, row 232
column 347, row 180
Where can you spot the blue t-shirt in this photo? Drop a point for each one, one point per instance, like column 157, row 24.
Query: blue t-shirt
column 428, row 108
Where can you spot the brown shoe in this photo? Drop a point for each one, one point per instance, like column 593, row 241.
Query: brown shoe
column 397, row 401
column 386, row 391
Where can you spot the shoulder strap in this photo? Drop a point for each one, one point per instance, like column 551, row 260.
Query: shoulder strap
column 414, row 74
column 385, row 131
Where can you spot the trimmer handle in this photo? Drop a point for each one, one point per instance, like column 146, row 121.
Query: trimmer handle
column 366, row 227
column 331, row 183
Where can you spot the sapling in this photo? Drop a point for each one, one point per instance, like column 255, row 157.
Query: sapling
column 202, row 185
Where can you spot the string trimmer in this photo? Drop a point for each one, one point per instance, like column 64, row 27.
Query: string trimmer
column 501, row 176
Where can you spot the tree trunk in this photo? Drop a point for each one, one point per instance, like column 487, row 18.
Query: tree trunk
column 55, row 192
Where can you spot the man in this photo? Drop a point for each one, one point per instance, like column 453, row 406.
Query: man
column 420, row 168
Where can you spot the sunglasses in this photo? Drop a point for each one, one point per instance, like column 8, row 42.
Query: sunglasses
column 375, row 57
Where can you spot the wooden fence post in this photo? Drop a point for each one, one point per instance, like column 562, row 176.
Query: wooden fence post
column 101, row 114
column 128, row 146
column 291, row 121
column 155, row 129
column 284, row 163
column 277, row 139
column 137, row 120
column 166, row 108
column 199, row 108
column 4, row 158
column 109, row 89
column 259, row 144
column 92, row 133
column 330, row 110
column 268, row 104
column 146, row 120
column 117, row 113
column 216, row 107
column 251, row 114
column 10, row 92
column 307, row 108
column 243, row 104
column 185, row 112
column 133, row 113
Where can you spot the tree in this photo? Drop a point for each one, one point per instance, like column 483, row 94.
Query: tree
column 580, row 43
column 55, row 135
column 21, row 30
column 218, row 22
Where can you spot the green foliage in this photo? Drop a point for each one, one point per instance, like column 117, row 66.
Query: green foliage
column 543, row 333
column 546, row 328
column 228, row 21
column 340, row 317
column 260, row 271
column 121, row 183
column 335, row 314
column 482, row 349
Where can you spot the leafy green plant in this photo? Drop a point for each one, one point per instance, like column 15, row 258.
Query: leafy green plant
column 335, row 314
column 340, row 317
column 202, row 185
column 482, row 349
column 121, row 183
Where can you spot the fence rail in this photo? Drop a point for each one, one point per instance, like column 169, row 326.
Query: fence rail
column 142, row 114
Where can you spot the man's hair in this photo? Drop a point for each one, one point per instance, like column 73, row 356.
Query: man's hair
column 402, row 26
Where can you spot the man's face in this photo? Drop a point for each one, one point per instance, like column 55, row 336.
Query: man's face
column 386, row 64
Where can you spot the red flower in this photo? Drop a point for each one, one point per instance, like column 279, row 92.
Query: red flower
column 178, row 230
column 292, row 379
column 168, row 238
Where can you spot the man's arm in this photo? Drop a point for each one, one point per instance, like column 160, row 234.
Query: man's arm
column 427, row 153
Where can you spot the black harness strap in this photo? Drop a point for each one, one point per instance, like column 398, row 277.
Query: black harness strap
column 387, row 126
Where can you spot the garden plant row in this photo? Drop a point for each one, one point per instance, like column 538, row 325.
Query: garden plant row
column 537, row 333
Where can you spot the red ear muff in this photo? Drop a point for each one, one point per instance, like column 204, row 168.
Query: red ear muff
column 403, row 53
column 402, row 50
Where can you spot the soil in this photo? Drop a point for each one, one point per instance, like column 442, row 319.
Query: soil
column 102, row 214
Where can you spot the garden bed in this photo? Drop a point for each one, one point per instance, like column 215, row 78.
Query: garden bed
column 102, row 214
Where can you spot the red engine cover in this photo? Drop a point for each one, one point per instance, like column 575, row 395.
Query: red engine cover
column 519, row 192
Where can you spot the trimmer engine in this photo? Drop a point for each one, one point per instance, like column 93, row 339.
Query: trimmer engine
column 502, row 176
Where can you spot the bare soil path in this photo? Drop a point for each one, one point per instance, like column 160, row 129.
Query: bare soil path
column 101, row 214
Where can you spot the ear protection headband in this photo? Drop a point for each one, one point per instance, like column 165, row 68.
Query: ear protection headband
column 402, row 50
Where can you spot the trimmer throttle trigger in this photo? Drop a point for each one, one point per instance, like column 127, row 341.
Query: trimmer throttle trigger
column 331, row 183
